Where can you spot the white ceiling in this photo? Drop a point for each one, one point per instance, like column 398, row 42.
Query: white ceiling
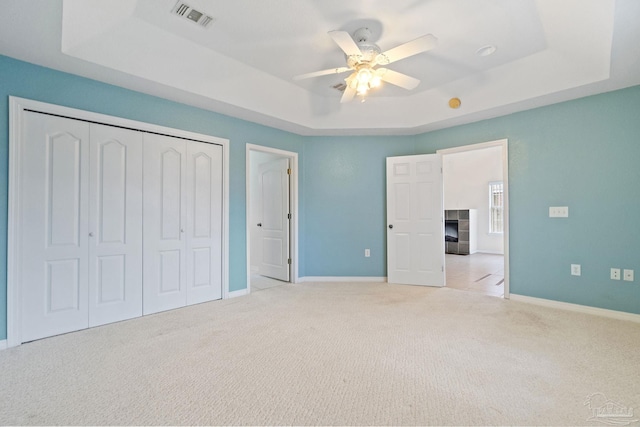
column 242, row 65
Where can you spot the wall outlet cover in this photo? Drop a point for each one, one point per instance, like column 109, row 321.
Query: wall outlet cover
column 615, row 274
column 575, row 270
column 628, row 275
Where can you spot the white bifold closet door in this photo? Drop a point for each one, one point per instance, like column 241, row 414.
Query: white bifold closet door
column 182, row 222
column 81, row 225
column 115, row 224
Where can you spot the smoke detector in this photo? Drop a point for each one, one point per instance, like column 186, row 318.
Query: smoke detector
column 184, row 10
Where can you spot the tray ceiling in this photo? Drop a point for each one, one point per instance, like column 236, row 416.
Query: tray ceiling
column 243, row 63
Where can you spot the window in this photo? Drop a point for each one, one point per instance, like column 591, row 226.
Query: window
column 496, row 207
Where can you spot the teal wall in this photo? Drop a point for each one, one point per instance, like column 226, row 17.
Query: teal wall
column 345, row 209
column 580, row 154
column 583, row 154
column 43, row 84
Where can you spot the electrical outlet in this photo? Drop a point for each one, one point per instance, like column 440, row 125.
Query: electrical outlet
column 628, row 275
column 615, row 274
column 558, row 212
column 575, row 270
column 367, row 253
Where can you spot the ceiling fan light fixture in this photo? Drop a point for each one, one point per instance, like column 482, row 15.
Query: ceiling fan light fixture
column 364, row 75
column 363, row 57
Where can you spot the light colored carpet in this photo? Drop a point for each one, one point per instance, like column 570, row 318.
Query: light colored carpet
column 330, row 353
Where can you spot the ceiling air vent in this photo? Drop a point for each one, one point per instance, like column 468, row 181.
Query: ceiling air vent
column 184, row 10
column 339, row 87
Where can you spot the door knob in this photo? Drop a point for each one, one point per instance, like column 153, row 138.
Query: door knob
column 390, row 225
column 259, row 224
column 182, row 230
column 90, row 234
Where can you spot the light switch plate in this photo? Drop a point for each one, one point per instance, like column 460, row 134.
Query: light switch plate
column 367, row 253
column 559, row 212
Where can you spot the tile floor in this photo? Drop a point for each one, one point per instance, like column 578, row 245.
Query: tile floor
column 259, row 283
column 481, row 273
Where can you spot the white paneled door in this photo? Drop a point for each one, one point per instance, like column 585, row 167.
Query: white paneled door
column 165, row 241
column 55, row 217
column 115, row 224
column 275, row 218
column 108, row 223
column 204, row 222
column 82, row 218
column 182, row 222
column 415, row 241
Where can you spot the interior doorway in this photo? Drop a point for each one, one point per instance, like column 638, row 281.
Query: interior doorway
column 475, row 179
column 271, row 217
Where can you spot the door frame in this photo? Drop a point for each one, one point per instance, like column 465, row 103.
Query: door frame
column 504, row 144
column 293, row 203
column 17, row 108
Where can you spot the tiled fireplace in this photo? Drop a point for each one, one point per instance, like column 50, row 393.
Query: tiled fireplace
column 460, row 231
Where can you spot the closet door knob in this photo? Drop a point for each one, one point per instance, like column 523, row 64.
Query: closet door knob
column 259, row 224
column 90, row 234
column 182, row 230
column 390, row 225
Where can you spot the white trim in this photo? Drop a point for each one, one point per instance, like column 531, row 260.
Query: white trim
column 504, row 143
column 3, row 345
column 238, row 293
column 293, row 201
column 17, row 107
column 358, row 279
column 13, row 240
column 490, row 252
column 596, row 311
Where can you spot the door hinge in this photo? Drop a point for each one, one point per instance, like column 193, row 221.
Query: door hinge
column 288, row 216
column 289, row 261
column 289, row 171
column 443, row 268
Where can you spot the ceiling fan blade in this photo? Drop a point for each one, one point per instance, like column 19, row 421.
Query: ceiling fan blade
column 322, row 73
column 346, row 43
column 398, row 79
column 419, row 45
column 348, row 95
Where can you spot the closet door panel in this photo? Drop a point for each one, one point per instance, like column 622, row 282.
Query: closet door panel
column 164, row 213
column 115, row 225
column 53, row 244
column 204, row 222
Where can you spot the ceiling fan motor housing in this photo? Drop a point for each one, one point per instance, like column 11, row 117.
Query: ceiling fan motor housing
column 369, row 51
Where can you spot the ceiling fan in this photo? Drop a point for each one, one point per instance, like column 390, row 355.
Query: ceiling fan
column 364, row 56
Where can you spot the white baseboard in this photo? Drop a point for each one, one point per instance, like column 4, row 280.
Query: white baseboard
column 342, row 279
column 613, row 314
column 3, row 344
column 238, row 293
column 479, row 251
